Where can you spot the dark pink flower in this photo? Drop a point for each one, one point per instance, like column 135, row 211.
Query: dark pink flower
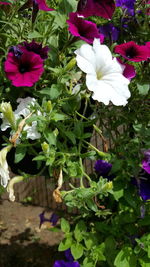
column 42, row 5
column 36, row 5
column 37, row 48
column 148, row 46
column 23, row 69
column 84, row 29
column 102, row 8
column 132, row 52
column 129, row 70
column 5, row 3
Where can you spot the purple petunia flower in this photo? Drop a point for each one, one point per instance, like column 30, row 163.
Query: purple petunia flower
column 22, row 67
column 53, row 219
column 84, row 29
column 62, row 263
column 69, row 263
column 146, row 161
column 102, row 167
column 126, row 4
column 109, row 31
column 132, row 51
column 37, row 48
column 143, row 185
column 102, row 8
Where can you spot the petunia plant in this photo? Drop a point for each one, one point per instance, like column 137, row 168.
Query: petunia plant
column 70, row 70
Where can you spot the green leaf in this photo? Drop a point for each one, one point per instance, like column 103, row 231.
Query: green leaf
column 143, row 88
column 65, row 226
column 40, row 157
column 125, row 258
column 20, row 153
column 77, row 251
column 34, row 34
column 58, row 117
column 50, row 137
column 88, row 263
column 65, row 244
column 79, row 231
column 145, row 262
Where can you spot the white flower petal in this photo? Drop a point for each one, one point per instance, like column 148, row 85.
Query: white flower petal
column 86, row 58
column 22, row 108
column 104, row 74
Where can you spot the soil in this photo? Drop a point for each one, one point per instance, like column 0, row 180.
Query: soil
column 22, row 242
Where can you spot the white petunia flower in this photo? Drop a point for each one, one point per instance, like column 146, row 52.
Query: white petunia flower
column 4, row 171
column 10, row 187
column 23, row 110
column 104, row 74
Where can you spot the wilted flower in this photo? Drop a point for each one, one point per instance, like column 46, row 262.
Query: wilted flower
column 132, row 52
column 102, row 8
column 53, row 219
column 10, row 187
column 84, row 29
column 104, row 74
column 37, row 49
column 4, row 172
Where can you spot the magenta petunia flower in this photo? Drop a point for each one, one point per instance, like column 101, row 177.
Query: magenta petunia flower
column 36, row 5
column 132, row 52
column 23, row 69
column 84, row 29
column 5, row 3
column 41, row 4
column 37, row 48
column 148, row 46
column 129, row 70
column 102, row 8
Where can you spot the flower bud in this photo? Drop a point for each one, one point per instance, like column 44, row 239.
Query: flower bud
column 71, row 64
column 8, row 114
column 45, row 147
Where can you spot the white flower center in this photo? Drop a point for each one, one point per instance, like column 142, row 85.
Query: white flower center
column 99, row 75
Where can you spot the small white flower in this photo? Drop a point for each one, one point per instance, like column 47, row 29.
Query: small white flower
column 4, row 171
column 104, row 74
column 23, row 110
column 23, row 107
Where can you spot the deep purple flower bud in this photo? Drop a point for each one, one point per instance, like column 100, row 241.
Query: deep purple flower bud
column 37, row 48
column 146, row 161
column 109, row 31
column 16, row 51
column 68, row 255
column 102, row 167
